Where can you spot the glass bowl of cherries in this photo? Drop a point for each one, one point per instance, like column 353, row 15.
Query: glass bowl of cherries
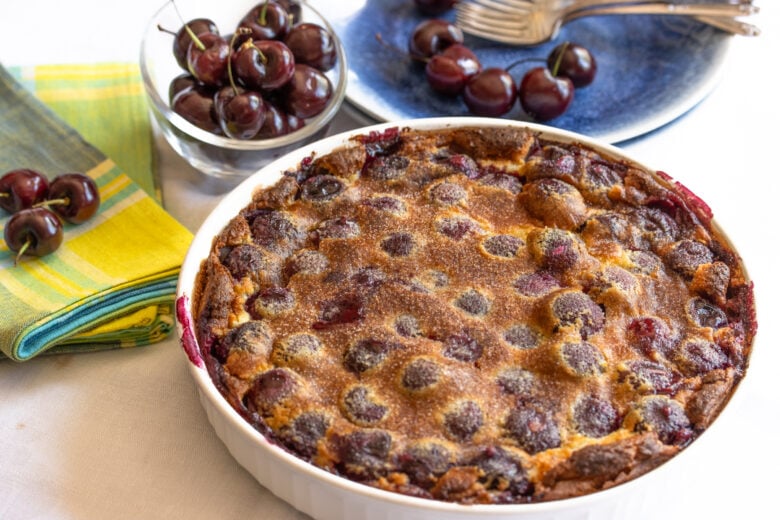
column 235, row 85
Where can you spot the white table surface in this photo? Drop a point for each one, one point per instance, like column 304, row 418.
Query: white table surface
column 121, row 434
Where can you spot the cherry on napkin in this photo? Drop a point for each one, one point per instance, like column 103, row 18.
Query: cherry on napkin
column 112, row 282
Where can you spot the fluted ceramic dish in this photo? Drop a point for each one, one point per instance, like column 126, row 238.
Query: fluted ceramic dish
column 326, row 496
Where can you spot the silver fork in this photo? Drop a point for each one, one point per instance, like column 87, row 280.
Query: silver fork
column 529, row 22
column 725, row 23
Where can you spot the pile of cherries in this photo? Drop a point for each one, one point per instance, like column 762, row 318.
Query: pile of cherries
column 39, row 207
column 544, row 92
column 262, row 81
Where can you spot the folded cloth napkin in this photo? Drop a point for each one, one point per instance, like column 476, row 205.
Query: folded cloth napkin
column 100, row 101
column 112, row 281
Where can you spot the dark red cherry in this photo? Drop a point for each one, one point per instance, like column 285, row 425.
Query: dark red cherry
column 248, row 65
column 544, row 96
column 424, row 462
column 279, row 63
column 432, row 36
column 464, row 57
column 490, row 93
column 269, row 389
column 363, row 453
column 308, row 92
column 312, row 44
column 196, row 105
column 398, row 244
column 444, row 75
column 574, row 62
column 74, row 197
column 207, row 59
column 182, row 39
column 449, row 71
column 305, row 431
column 533, row 427
column 22, row 188
column 241, row 113
column 462, row 422
column 293, row 8
column 262, row 64
column 33, row 231
column 267, row 21
column 348, row 308
column 651, row 336
column 179, row 84
column 275, row 123
column 294, row 123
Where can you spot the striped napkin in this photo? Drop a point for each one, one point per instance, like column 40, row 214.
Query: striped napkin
column 101, row 102
column 112, row 282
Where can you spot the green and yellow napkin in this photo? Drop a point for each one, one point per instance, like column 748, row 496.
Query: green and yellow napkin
column 112, row 282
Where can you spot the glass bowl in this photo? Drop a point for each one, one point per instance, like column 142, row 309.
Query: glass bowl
column 212, row 154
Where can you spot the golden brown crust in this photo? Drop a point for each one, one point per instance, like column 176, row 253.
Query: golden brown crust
column 213, row 302
column 475, row 315
column 600, row 466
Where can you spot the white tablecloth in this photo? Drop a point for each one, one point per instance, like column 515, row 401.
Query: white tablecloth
column 121, row 434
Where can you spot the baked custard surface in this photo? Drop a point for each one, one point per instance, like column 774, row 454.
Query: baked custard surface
column 475, row 315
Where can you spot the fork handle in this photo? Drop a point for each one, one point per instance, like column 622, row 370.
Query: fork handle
column 730, row 25
column 670, row 9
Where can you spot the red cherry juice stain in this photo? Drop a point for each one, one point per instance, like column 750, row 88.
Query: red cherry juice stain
column 188, row 342
column 702, row 210
column 380, row 143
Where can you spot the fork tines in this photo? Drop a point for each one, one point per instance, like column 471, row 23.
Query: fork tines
column 480, row 20
column 509, row 6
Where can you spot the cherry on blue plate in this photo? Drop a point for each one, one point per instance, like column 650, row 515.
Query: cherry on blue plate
column 651, row 69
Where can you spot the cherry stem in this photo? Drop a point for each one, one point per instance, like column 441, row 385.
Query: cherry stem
column 262, row 18
column 65, row 201
column 230, row 61
column 163, row 29
column 395, row 49
column 521, row 61
column 559, row 59
column 25, row 247
column 260, row 54
column 195, row 39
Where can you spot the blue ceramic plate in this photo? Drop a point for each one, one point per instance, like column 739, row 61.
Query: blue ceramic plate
column 651, row 69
